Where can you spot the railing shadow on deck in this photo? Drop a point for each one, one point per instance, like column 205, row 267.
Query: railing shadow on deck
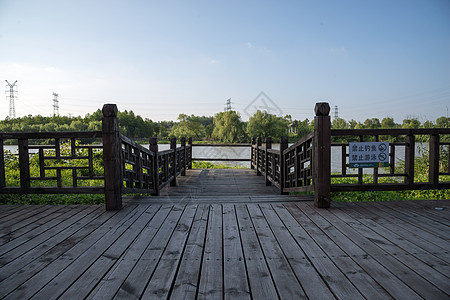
column 128, row 167
column 306, row 165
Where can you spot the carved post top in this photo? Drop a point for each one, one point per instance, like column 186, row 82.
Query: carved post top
column 284, row 140
column 190, row 141
column 268, row 143
column 153, row 141
column 258, row 141
column 183, row 140
column 322, row 109
column 173, row 143
column 253, row 140
column 109, row 110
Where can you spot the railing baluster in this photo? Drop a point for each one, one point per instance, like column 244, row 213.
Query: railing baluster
column 258, row 156
column 283, row 164
column 410, row 150
column 266, row 160
column 155, row 164
column 2, row 165
column 183, row 161
column 173, row 146
column 24, row 163
column 434, row 160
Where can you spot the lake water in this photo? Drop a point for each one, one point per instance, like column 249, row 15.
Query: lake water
column 245, row 152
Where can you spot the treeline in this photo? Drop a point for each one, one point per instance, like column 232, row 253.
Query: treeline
column 225, row 127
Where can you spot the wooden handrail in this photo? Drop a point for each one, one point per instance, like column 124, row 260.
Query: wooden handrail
column 306, row 165
column 128, row 167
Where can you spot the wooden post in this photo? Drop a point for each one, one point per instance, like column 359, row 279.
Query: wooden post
column 173, row 146
column 24, row 163
column 2, row 166
column 409, row 158
column 190, row 153
column 252, row 154
column 266, row 175
column 183, row 145
column 155, row 170
column 322, row 156
column 434, row 160
column 258, row 156
column 112, row 157
column 283, row 146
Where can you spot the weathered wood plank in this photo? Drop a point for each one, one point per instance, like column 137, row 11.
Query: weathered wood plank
column 344, row 276
column 408, row 252
column 211, row 278
column 259, row 277
column 54, row 288
column 258, row 246
column 395, row 266
column 187, row 280
column 234, row 273
column 17, row 227
column 137, row 280
column 93, row 275
column 164, row 274
column 20, row 270
column 34, row 284
column 40, row 234
column 285, row 280
column 111, row 283
column 309, row 278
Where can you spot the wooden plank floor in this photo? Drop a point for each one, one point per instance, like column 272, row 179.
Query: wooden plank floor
column 219, row 182
column 266, row 250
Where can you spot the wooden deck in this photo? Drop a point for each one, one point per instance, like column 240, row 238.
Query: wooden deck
column 213, row 247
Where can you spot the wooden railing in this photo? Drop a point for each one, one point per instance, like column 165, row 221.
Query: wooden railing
column 127, row 166
column 54, row 161
column 306, row 165
column 224, row 159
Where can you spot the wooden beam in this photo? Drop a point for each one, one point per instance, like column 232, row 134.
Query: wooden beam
column 112, row 157
column 322, row 156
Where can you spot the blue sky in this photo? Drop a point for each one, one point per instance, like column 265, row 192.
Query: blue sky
column 162, row 58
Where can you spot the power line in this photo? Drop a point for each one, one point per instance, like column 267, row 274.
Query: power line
column 12, row 109
column 55, row 104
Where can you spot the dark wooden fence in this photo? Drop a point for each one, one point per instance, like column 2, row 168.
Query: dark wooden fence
column 128, row 167
column 306, row 165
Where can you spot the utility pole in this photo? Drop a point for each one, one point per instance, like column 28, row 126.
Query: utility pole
column 12, row 109
column 228, row 105
column 55, row 105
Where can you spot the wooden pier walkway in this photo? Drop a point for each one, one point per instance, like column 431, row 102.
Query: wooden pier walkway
column 243, row 245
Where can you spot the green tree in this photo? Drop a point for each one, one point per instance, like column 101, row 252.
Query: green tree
column 228, row 127
column 388, row 123
column 264, row 125
column 411, row 123
column 339, row 123
column 373, row 123
column 443, row 122
column 189, row 126
column 303, row 128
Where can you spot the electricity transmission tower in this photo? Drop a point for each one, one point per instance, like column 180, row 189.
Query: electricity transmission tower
column 228, row 105
column 336, row 113
column 55, row 105
column 12, row 109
